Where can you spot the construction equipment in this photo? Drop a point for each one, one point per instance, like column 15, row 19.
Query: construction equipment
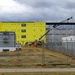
column 40, row 42
column 54, row 26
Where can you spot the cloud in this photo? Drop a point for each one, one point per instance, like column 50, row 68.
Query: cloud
column 12, row 7
column 36, row 10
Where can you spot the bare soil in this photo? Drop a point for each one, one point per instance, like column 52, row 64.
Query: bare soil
column 33, row 57
column 42, row 73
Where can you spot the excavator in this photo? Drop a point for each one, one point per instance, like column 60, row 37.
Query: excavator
column 40, row 42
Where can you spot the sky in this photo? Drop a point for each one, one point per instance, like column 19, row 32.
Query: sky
column 37, row 10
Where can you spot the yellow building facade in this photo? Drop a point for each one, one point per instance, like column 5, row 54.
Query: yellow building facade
column 25, row 31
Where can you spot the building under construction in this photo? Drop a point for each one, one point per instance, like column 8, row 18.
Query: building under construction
column 25, row 31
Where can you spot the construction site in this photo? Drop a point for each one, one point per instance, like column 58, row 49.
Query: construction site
column 37, row 44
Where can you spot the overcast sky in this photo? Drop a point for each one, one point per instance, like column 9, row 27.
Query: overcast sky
column 36, row 10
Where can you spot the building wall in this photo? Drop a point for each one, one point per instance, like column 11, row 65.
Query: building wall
column 68, row 42
column 10, row 42
column 32, row 30
column 55, row 35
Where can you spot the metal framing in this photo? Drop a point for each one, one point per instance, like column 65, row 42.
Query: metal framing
column 58, row 23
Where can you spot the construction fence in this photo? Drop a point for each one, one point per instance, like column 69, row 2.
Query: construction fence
column 48, row 53
column 54, row 50
column 22, row 55
column 65, row 48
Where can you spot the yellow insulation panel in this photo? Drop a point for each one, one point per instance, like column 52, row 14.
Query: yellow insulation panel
column 25, row 31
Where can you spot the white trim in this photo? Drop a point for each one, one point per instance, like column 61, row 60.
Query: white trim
column 10, row 48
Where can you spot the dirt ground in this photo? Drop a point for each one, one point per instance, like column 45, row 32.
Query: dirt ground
column 51, row 73
column 33, row 57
